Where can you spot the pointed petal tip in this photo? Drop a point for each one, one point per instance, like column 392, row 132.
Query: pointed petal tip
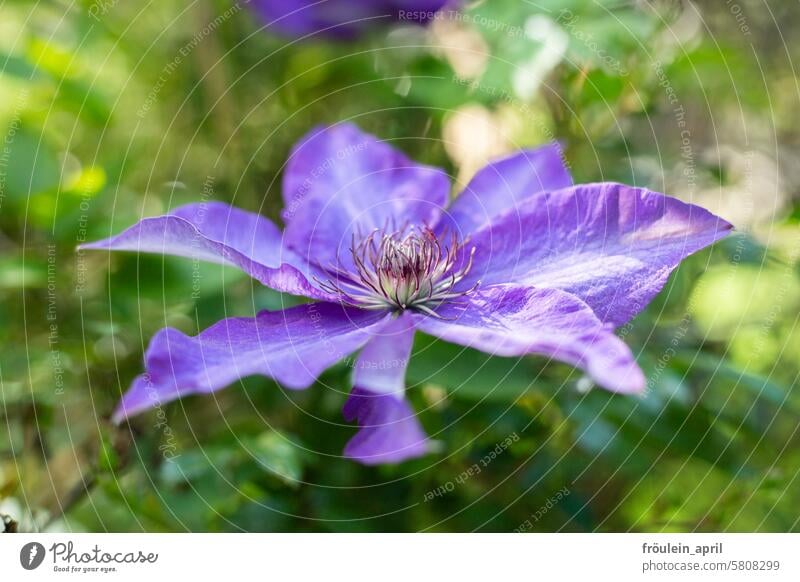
column 91, row 246
column 389, row 430
column 628, row 379
column 721, row 225
column 638, row 387
column 119, row 415
column 135, row 401
column 132, row 403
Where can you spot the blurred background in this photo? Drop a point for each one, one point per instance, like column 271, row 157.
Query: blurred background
column 111, row 111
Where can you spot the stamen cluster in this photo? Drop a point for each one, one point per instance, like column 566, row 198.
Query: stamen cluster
column 404, row 269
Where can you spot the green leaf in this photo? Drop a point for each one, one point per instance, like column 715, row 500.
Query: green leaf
column 30, row 164
column 279, row 455
column 470, row 374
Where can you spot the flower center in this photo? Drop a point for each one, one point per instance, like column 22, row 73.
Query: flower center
column 405, row 269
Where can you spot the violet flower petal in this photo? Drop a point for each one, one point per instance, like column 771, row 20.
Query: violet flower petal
column 292, row 346
column 505, row 183
column 381, row 365
column 340, row 18
column 339, row 181
column 612, row 245
column 511, row 320
column 219, row 233
column 389, row 430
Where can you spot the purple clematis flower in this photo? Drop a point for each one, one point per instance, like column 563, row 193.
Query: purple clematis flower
column 341, row 18
column 522, row 262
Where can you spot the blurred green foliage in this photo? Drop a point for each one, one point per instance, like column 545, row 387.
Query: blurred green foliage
column 103, row 126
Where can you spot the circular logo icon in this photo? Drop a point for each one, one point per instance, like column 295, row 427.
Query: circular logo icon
column 31, row 555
